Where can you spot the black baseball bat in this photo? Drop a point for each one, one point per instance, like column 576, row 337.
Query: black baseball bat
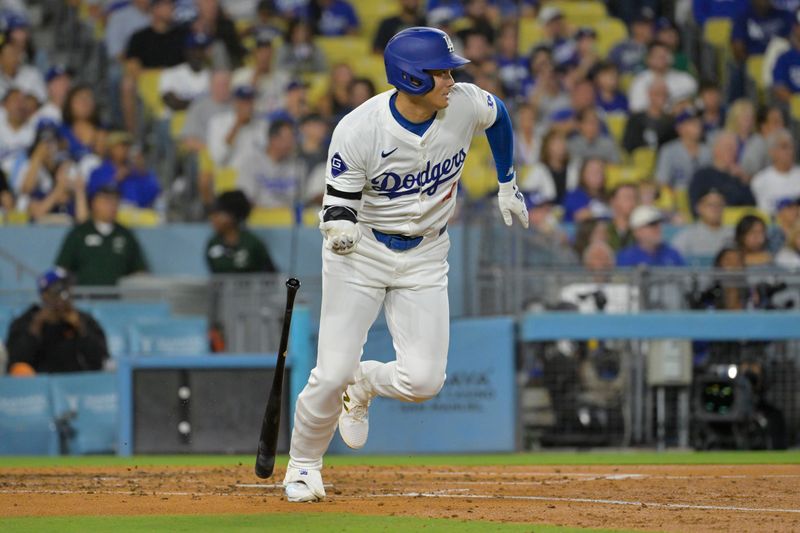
column 268, row 441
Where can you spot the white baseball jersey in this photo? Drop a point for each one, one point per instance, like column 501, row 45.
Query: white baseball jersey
column 408, row 182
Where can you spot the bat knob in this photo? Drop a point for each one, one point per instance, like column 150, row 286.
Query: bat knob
column 265, row 465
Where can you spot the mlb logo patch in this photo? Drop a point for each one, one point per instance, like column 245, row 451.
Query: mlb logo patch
column 338, row 165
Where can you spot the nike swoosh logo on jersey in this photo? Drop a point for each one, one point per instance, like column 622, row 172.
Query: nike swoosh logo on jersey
column 387, row 154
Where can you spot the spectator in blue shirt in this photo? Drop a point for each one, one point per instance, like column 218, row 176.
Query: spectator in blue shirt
column 588, row 199
column 706, row 9
column 137, row 186
column 786, row 72
column 650, row 248
column 333, row 18
column 557, row 34
column 609, row 98
column 758, row 24
column 629, row 55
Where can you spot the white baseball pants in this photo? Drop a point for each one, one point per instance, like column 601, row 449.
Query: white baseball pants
column 412, row 286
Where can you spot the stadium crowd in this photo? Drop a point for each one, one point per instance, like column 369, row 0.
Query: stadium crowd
column 622, row 122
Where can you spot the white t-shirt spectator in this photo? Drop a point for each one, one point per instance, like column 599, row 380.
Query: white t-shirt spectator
column 14, row 142
column 788, row 259
column 184, row 83
column 770, row 185
column 680, row 84
column 269, row 183
column 28, row 80
column 251, row 137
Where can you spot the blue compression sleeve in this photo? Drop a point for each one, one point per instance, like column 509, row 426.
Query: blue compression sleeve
column 501, row 141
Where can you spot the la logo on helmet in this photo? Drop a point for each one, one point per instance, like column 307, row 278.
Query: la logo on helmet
column 449, row 43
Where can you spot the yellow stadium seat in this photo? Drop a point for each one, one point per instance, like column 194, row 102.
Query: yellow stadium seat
column 795, row 106
column 644, row 159
column 616, row 125
column 370, row 15
column 610, row 31
column 480, row 175
column 205, row 163
column 717, row 32
column 755, row 64
column 15, row 217
column 530, row 34
column 317, row 87
column 272, row 216
column 732, row 215
column 617, row 175
column 176, row 124
column 133, row 217
column 225, row 179
column 147, row 87
column 311, row 216
column 681, row 202
column 581, row 13
column 371, row 66
column 625, row 82
column 343, row 49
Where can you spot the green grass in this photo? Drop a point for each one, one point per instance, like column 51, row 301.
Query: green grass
column 294, row 523
column 542, row 458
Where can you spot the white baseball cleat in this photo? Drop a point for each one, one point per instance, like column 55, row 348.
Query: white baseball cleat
column 354, row 420
column 303, row 485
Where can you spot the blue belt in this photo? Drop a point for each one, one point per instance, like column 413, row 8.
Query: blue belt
column 400, row 243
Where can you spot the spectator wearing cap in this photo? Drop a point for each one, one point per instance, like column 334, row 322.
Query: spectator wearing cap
column 679, row 159
column 723, row 174
column 588, row 199
column 652, row 127
column 780, row 179
column 15, row 73
column 263, row 75
column 233, row 249
column 180, row 85
column 623, row 199
column 649, row 248
column 18, row 31
column 707, row 235
column 409, row 16
column 629, row 55
column 788, row 256
column 299, row 55
column 786, row 72
column 160, row 45
column 227, row 50
column 589, row 141
column 755, row 154
column 54, row 336
column 274, row 177
column 680, row 85
column 295, row 104
column 47, row 183
column 17, row 131
column 605, row 76
column 787, row 214
column 268, row 20
column 586, row 56
column 101, row 251
column 59, row 81
column 137, row 185
column 667, row 33
column 333, row 18
column 557, row 34
column 232, row 135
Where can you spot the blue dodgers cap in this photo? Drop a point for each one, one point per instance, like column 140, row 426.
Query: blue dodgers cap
column 536, row 199
column 54, row 72
column 51, row 277
column 198, row 40
column 586, row 31
column 686, row 114
column 244, row 92
column 786, row 201
column 104, row 186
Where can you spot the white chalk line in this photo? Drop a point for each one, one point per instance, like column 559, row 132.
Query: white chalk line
column 443, row 494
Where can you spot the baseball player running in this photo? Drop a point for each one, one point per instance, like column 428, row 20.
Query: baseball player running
column 394, row 164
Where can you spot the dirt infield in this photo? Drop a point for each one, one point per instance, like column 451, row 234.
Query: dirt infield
column 665, row 498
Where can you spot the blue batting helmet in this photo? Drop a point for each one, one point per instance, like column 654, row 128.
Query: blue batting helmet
column 412, row 52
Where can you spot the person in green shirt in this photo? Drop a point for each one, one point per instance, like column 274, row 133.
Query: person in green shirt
column 100, row 251
column 233, row 248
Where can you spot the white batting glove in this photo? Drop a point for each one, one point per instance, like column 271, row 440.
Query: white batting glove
column 341, row 236
column 511, row 202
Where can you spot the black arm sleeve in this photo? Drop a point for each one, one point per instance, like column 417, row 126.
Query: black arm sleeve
column 22, row 346
column 92, row 347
